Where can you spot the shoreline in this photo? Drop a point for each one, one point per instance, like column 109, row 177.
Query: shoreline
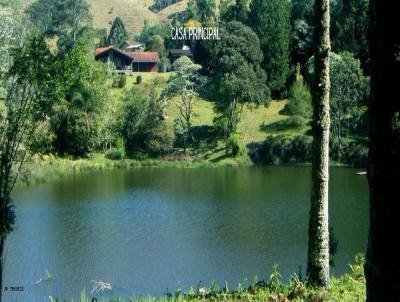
column 41, row 169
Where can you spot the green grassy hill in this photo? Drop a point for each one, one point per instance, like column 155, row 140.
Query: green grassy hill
column 132, row 12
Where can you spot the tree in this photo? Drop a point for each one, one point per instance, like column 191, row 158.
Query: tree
column 318, row 241
column 238, row 11
column 350, row 19
column 382, row 262
column 17, row 122
column 185, row 85
column 270, row 20
column 239, row 78
column 299, row 98
column 301, row 21
column 202, row 10
column 41, row 13
column 156, row 43
column 75, row 116
column 348, row 93
column 69, row 20
column 118, row 33
column 143, row 126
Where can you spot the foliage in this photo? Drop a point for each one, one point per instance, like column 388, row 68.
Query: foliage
column 202, row 10
column 143, row 127
column 301, row 21
column 239, row 78
column 234, row 146
column 12, row 33
column 156, row 43
column 76, row 114
column 151, row 30
column 23, row 83
column 118, row 152
column 42, row 140
column 350, row 28
column 122, row 80
column 118, row 33
column 70, row 20
column 299, row 100
column 349, row 91
column 184, row 86
column 284, row 149
column 270, row 20
column 349, row 287
column 236, row 11
column 161, row 140
column 41, row 13
column 164, row 64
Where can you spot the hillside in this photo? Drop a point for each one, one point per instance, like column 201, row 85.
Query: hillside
column 132, row 12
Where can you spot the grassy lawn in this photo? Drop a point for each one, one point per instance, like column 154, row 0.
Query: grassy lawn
column 254, row 123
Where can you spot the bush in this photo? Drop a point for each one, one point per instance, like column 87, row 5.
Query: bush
column 42, row 140
column 143, row 126
column 118, row 152
column 234, row 146
column 299, row 102
column 122, row 81
column 284, row 149
column 161, row 140
column 139, row 79
column 114, row 154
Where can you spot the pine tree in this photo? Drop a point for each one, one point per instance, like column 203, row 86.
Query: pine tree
column 271, row 21
column 118, row 33
column 318, row 244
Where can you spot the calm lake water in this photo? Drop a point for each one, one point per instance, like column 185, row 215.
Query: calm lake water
column 152, row 231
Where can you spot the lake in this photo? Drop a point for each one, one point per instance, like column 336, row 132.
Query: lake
column 156, row 230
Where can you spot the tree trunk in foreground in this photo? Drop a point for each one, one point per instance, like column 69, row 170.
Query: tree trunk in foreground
column 382, row 265
column 1, row 267
column 318, row 241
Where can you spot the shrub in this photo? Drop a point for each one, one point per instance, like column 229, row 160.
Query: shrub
column 284, row 149
column 143, row 127
column 42, row 140
column 234, row 146
column 114, row 154
column 122, row 81
column 161, row 140
column 299, row 102
column 139, row 79
column 115, row 81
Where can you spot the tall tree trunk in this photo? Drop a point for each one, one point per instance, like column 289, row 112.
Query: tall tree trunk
column 382, row 266
column 1, row 266
column 318, row 242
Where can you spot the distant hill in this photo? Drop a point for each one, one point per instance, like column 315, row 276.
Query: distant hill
column 132, row 12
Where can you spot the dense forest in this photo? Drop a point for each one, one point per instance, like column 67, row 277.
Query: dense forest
column 56, row 99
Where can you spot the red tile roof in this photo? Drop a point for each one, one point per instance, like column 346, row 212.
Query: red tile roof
column 147, row 56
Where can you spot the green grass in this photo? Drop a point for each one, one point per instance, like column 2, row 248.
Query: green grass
column 349, row 287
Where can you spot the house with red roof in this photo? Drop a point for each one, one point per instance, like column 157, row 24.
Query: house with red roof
column 138, row 61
